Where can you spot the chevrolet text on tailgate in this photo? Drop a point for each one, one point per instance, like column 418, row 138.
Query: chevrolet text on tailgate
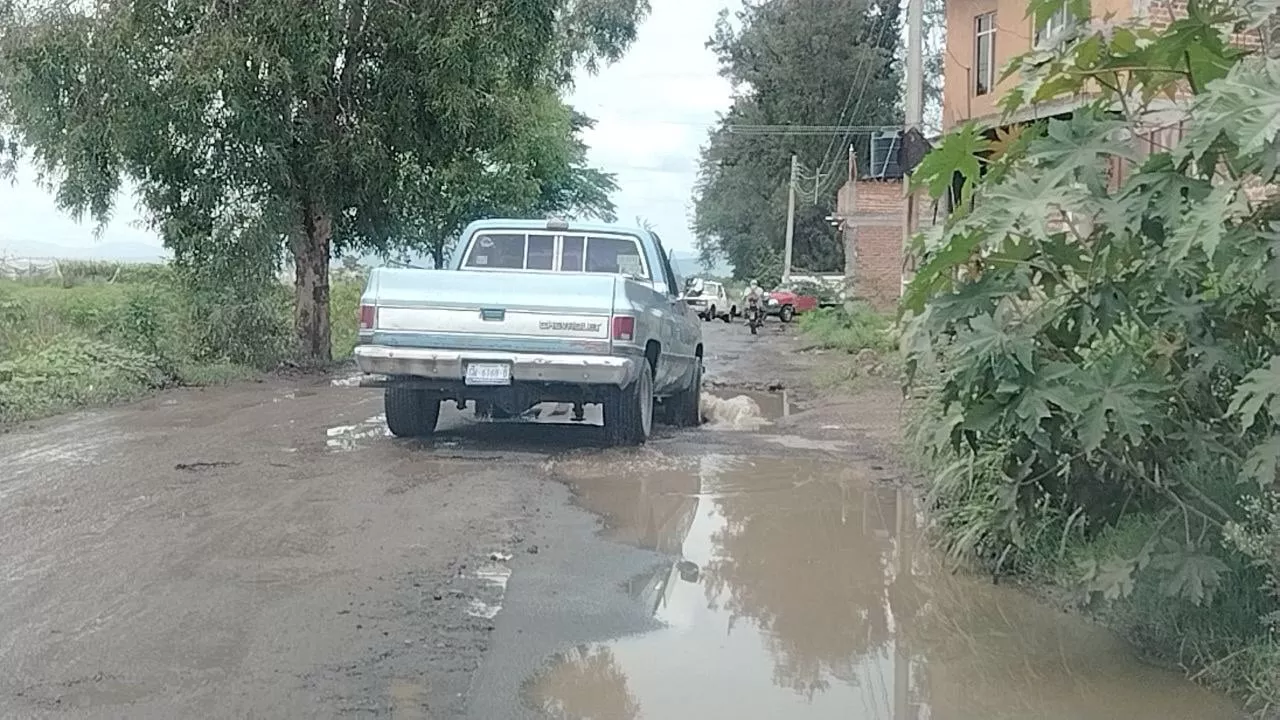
column 535, row 311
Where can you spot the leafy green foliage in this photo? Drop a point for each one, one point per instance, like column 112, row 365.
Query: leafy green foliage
column 1102, row 346
column 99, row 341
column 792, row 63
column 856, row 328
column 269, row 125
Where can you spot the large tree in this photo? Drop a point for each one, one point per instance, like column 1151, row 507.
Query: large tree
column 323, row 123
column 792, row 62
column 540, row 169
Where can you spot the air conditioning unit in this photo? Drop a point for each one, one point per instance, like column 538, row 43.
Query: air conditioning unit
column 886, row 149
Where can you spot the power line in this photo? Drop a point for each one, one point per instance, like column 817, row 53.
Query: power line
column 849, row 96
column 862, row 93
column 847, row 130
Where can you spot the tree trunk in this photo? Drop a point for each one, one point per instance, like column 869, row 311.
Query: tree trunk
column 310, row 248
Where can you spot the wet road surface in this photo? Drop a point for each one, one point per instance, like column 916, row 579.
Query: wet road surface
column 267, row 551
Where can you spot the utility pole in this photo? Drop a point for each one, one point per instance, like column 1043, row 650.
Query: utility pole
column 915, row 65
column 914, row 112
column 791, row 219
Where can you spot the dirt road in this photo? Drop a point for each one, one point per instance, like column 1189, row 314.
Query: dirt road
column 267, row 551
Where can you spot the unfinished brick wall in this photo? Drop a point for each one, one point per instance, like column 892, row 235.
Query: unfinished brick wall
column 1160, row 13
column 873, row 214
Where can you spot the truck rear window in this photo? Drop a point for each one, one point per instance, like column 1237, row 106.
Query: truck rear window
column 567, row 253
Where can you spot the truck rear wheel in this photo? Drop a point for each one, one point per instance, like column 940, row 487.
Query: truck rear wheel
column 410, row 412
column 684, row 409
column 628, row 412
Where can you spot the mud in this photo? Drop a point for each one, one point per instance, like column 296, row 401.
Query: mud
column 267, row 550
column 225, row 554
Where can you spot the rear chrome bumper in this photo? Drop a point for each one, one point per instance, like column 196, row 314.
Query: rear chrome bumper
column 450, row 365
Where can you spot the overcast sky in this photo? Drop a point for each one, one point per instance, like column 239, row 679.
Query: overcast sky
column 652, row 109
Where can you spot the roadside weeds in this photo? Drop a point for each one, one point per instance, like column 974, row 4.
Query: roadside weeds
column 103, row 333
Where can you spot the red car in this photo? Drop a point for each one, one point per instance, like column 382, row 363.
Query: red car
column 786, row 303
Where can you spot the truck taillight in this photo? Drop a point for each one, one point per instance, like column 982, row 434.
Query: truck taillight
column 366, row 317
column 624, row 327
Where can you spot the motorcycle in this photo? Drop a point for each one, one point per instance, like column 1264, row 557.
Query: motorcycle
column 755, row 314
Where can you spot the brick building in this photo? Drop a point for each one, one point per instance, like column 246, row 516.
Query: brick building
column 871, row 214
column 983, row 36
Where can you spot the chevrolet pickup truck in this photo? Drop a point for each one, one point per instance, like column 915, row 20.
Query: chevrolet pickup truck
column 535, row 311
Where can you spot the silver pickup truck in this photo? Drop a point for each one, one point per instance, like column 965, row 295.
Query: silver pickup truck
column 535, row 311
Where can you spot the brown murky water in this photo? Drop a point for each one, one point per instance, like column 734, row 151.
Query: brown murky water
column 799, row 590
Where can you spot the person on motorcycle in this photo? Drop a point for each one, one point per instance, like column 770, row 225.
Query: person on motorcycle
column 753, row 305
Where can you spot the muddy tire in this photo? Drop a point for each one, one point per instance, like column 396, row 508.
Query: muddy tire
column 628, row 412
column 410, row 413
column 786, row 313
column 684, row 409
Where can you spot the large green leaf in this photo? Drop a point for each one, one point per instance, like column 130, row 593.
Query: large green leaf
column 1243, row 107
column 1081, row 148
column 1113, row 579
column 1208, row 222
column 1263, row 462
column 1192, row 576
column 1259, row 389
column 958, row 153
column 1114, row 400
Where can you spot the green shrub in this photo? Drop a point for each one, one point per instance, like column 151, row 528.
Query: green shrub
column 344, row 309
column 856, row 328
column 95, row 342
column 1103, row 353
column 70, row 371
column 114, row 331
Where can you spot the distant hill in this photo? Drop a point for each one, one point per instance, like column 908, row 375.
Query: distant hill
column 686, row 261
column 689, row 265
column 114, row 251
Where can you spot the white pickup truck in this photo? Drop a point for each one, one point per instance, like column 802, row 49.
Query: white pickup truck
column 535, row 311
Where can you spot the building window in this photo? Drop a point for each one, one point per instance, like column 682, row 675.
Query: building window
column 1051, row 33
column 984, row 53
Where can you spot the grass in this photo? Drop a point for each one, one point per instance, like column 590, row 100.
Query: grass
column 1226, row 642
column 858, row 331
column 99, row 333
column 850, row 330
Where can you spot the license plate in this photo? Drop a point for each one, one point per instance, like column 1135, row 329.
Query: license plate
column 488, row 374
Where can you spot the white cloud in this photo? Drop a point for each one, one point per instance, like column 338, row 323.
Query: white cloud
column 653, row 109
column 652, row 112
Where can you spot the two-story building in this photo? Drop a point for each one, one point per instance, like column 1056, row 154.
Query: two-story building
column 983, row 36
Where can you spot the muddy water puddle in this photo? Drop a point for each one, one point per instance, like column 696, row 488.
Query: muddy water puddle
column 799, row 589
column 731, row 409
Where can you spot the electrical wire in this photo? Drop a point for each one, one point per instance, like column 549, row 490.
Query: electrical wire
column 866, row 80
column 849, row 96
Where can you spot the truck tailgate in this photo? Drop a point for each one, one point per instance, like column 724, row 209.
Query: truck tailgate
column 485, row 310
